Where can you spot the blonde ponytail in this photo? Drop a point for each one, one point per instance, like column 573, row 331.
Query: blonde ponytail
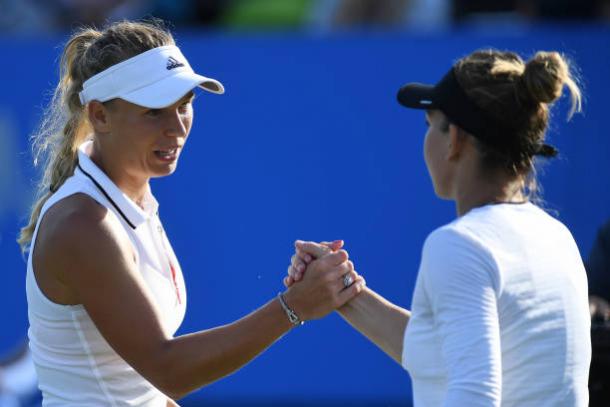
column 65, row 126
column 61, row 131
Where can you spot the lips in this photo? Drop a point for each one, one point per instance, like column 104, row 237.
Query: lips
column 169, row 154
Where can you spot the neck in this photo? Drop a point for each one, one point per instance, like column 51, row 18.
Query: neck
column 134, row 187
column 483, row 192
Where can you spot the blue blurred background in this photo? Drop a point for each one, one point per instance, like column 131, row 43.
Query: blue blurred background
column 307, row 143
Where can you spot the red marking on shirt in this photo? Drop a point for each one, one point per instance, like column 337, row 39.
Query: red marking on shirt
column 171, row 267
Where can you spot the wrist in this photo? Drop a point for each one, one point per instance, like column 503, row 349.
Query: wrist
column 293, row 317
column 353, row 304
column 344, row 309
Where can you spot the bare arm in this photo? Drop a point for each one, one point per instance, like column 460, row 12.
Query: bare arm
column 90, row 254
column 381, row 321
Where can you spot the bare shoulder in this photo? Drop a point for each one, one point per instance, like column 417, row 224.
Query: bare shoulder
column 75, row 221
column 77, row 238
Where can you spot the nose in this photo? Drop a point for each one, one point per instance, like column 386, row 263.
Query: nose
column 176, row 125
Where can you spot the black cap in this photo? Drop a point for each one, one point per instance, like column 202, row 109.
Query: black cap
column 418, row 96
column 449, row 97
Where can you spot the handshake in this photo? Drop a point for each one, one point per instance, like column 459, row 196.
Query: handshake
column 320, row 279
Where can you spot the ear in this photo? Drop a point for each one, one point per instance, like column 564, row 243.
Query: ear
column 98, row 117
column 457, row 140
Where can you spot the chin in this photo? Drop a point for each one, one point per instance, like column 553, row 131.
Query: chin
column 164, row 172
column 444, row 197
column 441, row 193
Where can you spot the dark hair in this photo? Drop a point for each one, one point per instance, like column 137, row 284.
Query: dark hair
column 64, row 125
column 518, row 95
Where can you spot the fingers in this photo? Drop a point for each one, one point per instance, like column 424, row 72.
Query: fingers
column 302, row 257
column 341, row 270
column 296, row 268
column 330, row 268
column 336, row 277
column 327, row 284
column 330, row 253
column 348, row 279
column 334, row 258
column 310, row 250
column 327, row 262
column 313, row 249
column 288, row 281
column 298, row 263
column 353, row 290
column 343, row 293
column 295, row 274
column 334, row 245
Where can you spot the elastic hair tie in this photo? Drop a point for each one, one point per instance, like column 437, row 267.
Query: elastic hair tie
column 546, row 150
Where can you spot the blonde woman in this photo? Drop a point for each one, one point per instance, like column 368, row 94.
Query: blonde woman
column 105, row 290
column 500, row 313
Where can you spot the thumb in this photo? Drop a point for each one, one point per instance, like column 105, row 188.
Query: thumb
column 315, row 250
column 334, row 245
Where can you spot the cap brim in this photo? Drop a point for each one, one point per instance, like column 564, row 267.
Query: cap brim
column 417, row 96
column 171, row 89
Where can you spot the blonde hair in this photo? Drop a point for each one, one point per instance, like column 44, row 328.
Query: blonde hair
column 65, row 126
column 517, row 94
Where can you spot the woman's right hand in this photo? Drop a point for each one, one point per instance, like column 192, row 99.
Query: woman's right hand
column 321, row 289
column 305, row 253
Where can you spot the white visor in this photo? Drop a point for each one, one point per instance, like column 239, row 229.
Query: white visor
column 155, row 79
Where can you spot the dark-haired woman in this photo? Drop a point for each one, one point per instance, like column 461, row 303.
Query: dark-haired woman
column 105, row 290
column 499, row 314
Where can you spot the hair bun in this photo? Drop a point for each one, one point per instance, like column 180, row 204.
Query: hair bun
column 544, row 77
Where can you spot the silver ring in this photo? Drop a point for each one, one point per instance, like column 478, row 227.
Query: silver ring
column 347, row 280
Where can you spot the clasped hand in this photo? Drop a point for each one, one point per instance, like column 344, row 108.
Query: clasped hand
column 320, row 279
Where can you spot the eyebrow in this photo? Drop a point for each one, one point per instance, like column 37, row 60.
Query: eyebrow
column 189, row 96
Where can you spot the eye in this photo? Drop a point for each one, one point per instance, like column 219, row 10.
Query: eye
column 427, row 123
column 153, row 112
column 184, row 107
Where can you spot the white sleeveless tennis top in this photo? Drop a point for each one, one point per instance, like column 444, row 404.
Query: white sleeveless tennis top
column 74, row 363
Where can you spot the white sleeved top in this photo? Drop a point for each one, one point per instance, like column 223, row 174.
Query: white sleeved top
column 76, row 366
column 500, row 313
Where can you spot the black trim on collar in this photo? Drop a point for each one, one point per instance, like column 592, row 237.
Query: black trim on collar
column 97, row 184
